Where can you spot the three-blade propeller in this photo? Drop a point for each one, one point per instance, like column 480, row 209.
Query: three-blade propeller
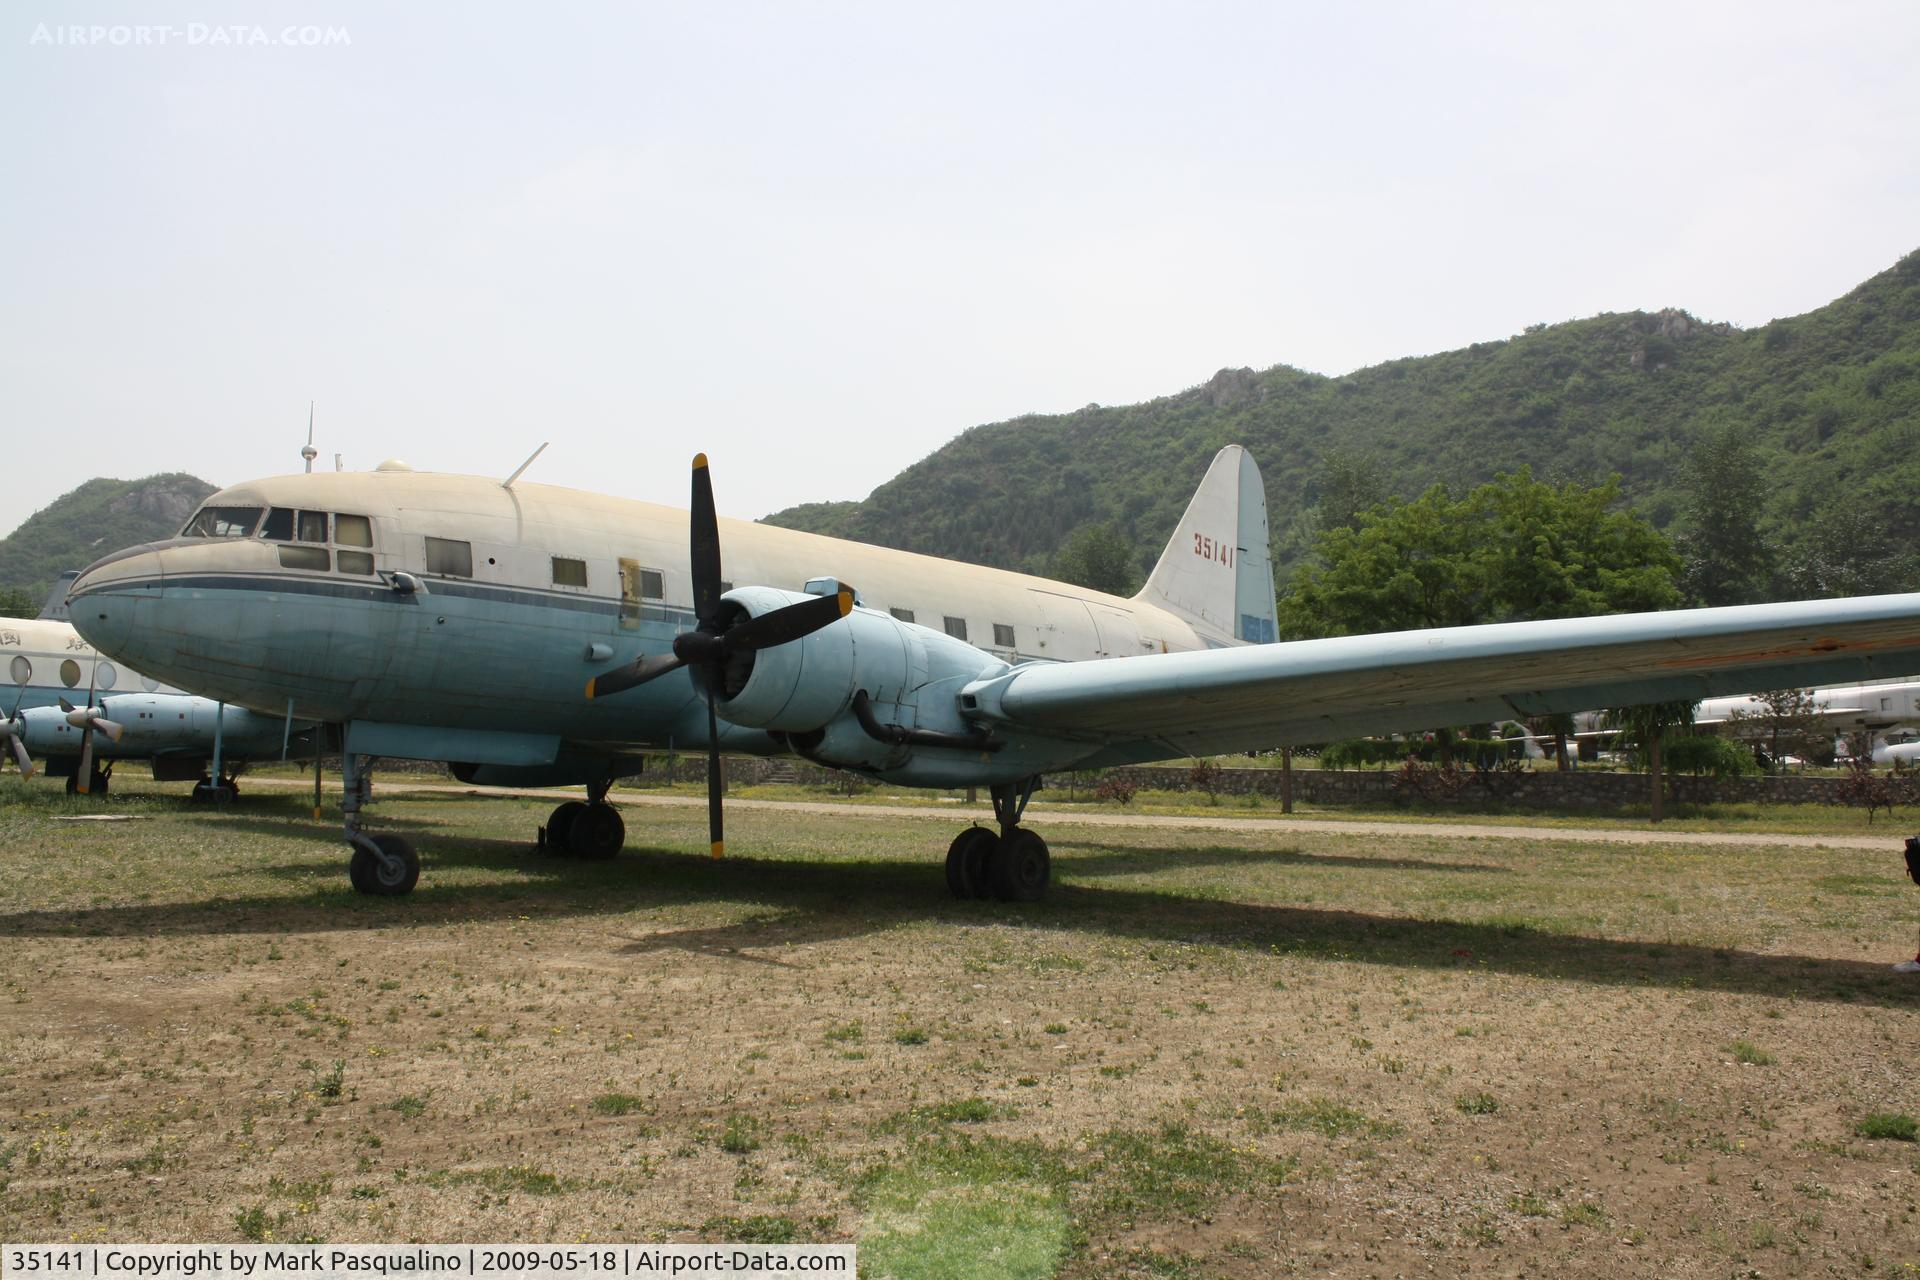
column 719, row 635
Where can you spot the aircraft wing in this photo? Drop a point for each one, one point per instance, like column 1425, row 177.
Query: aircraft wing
column 1260, row 696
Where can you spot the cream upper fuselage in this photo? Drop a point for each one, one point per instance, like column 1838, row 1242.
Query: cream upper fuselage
column 525, row 594
column 46, row 661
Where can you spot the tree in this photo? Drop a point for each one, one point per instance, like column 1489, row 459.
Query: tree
column 1846, row 550
column 1097, row 556
column 1787, row 720
column 1646, row 726
column 1727, row 562
column 17, row 604
column 1352, row 483
column 1510, row 549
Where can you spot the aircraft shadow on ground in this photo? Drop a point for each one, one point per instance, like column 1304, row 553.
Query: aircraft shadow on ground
column 1134, row 860
column 809, row 903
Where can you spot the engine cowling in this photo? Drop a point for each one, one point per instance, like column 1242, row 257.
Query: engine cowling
column 805, row 689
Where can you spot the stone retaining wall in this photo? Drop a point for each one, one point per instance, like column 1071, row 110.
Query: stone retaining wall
column 1549, row 788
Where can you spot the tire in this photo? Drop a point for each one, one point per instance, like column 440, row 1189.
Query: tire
column 597, row 832
column 967, row 859
column 560, row 828
column 1021, row 868
column 388, row 877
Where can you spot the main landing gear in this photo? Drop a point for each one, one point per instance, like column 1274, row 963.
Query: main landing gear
column 1012, row 865
column 382, row 865
column 592, row 831
column 208, row 791
column 97, row 783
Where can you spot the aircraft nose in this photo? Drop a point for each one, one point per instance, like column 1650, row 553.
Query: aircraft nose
column 105, row 600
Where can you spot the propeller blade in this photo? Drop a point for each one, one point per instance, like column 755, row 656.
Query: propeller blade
column 639, row 671
column 704, row 535
column 20, row 756
column 66, row 706
column 84, row 775
column 112, row 728
column 716, row 836
column 789, row 623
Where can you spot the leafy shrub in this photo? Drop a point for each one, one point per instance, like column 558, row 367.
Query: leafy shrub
column 1710, row 756
column 1897, row 1125
column 1115, row 788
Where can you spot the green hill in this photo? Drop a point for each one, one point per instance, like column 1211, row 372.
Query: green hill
column 99, row 517
column 1831, row 399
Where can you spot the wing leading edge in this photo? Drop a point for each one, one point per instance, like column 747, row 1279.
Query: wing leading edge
column 1258, row 696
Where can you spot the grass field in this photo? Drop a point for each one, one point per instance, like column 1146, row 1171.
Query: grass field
column 1208, row 1054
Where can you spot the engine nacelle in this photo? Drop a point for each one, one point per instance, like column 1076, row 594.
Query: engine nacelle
column 805, row 689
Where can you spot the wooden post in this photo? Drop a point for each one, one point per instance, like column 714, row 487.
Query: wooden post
column 1286, row 779
column 1653, row 760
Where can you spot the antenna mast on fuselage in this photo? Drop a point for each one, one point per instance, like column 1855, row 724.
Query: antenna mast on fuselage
column 309, row 452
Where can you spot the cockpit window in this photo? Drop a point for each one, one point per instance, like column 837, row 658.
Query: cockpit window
column 278, row 526
column 352, row 531
column 222, row 522
column 312, row 526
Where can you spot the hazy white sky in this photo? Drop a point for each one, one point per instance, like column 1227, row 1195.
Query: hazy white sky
column 819, row 240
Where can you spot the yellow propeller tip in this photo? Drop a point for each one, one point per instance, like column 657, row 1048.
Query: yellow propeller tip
column 846, row 603
column 719, row 848
column 590, row 687
column 699, row 461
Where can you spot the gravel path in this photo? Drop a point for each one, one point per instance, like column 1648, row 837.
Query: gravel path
column 1082, row 818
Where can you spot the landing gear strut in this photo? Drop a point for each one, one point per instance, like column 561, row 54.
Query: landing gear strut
column 591, row 831
column 382, row 865
column 1012, row 865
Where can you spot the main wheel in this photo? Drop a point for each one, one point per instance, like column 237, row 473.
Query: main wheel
column 1020, row 868
column 967, row 859
column 386, row 877
column 205, row 792
column 597, row 832
column 560, row 827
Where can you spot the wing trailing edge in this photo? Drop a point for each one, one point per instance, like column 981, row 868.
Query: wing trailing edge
column 1306, row 691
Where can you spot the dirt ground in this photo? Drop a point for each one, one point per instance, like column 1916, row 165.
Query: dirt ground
column 1210, row 1053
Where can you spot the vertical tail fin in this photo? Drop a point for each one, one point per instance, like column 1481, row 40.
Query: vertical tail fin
column 1217, row 572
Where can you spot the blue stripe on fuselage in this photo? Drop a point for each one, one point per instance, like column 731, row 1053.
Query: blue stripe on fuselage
column 380, row 592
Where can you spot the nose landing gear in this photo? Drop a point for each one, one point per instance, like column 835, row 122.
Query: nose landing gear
column 1013, row 865
column 382, row 865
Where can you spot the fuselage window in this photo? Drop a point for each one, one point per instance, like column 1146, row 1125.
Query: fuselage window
column 223, row 522
column 569, row 573
column 1002, row 636
column 957, row 628
column 278, row 525
column 905, row 615
column 452, row 558
column 70, row 673
column 20, row 669
column 294, row 556
column 652, row 585
column 354, row 561
column 353, row 531
column 104, row 676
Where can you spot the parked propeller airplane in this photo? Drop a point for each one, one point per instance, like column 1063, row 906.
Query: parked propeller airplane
column 182, row 737
column 453, row 618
